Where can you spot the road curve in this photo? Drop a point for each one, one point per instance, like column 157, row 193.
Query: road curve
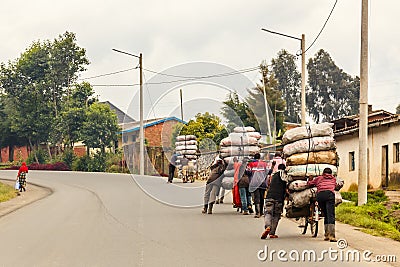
column 96, row 219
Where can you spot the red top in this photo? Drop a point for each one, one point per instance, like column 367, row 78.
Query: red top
column 23, row 168
column 325, row 182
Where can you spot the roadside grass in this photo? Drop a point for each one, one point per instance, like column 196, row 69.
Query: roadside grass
column 6, row 192
column 375, row 217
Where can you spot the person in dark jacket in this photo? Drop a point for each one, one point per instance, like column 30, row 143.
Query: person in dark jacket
column 274, row 203
column 213, row 184
column 258, row 182
column 326, row 200
column 171, row 167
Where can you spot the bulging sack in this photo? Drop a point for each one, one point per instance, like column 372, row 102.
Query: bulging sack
column 327, row 157
column 314, row 144
column 187, row 147
column 302, row 198
column 321, row 129
column 298, row 185
column 185, row 143
column 227, row 182
column 185, row 138
column 238, row 140
column 243, row 129
column 239, row 150
column 309, row 170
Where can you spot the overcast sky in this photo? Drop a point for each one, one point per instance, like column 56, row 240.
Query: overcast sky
column 170, row 33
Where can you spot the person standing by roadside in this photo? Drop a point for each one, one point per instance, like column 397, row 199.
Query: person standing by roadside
column 326, row 200
column 171, row 167
column 21, row 177
column 274, row 202
column 258, row 183
column 213, row 184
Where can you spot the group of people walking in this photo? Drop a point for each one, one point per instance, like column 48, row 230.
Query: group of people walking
column 265, row 187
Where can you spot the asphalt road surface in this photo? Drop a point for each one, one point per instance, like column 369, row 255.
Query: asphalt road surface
column 95, row 219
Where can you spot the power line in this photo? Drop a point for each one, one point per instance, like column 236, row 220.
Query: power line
column 326, row 21
column 107, row 74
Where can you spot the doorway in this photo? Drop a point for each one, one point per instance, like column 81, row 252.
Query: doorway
column 385, row 166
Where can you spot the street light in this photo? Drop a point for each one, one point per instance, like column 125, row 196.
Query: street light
column 303, row 72
column 141, row 129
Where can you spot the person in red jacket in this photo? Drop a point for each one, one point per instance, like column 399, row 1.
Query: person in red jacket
column 326, row 200
column 21, row 176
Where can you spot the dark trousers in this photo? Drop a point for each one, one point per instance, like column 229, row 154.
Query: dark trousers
column 171, row 172
column 258, row 197
column 326, row 201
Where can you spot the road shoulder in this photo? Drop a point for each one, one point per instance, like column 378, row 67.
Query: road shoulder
column 34, row 193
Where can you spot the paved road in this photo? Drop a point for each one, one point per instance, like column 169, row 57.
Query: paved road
column 108, row 220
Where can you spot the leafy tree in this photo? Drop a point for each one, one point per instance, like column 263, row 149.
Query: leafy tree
column 256, row 102
column 289, row 83
column 331, row 93
column 207, row 128
column 100, row 128
column 236, row 112
column 398, row 109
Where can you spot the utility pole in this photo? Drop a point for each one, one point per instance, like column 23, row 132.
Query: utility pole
column 141, row 128
column 303, row 72
column 303, row 80
column 181, row 104
column 363, row 121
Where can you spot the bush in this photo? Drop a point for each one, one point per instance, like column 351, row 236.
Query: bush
column 353, row 187
column 97, row 163
column 68, row 157
column 373, row 196
column 41, row 155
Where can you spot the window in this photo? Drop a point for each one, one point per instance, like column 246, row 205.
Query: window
column 396, row 152
column 352, row 161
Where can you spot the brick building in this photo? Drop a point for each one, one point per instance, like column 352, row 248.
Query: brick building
column 158, row 144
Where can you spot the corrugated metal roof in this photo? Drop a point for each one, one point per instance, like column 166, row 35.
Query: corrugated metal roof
column 133, row 127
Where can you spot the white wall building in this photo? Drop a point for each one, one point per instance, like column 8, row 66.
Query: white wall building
column 383, row 149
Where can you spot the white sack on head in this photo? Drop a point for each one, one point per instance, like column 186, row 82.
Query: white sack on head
column 321, row 143
column 188, row 152
column 321, row 129
column 309, row 170
column 327, row 157
column 338, row 198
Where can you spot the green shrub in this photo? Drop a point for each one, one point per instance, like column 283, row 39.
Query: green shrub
column 42, row 157
column 353, row 187
column 81, row 164
column 68, row 157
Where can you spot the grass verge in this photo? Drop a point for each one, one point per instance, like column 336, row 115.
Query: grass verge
column 376, row 217
column 6, row 192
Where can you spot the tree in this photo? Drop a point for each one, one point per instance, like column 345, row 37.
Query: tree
column 256, row 102
column 236, row 112
column 331, row 93
column 100, row 128
column 289, row 83
column 207, row 128
column 37, row 87
column 398, row 109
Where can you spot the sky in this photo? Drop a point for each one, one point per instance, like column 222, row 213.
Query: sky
column 228, row 33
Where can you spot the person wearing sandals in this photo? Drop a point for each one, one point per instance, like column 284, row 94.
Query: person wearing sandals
column 274, row 202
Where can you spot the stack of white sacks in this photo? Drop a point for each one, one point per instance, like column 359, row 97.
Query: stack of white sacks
column 242, row 142
column 186, row 146
column 308, row 151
